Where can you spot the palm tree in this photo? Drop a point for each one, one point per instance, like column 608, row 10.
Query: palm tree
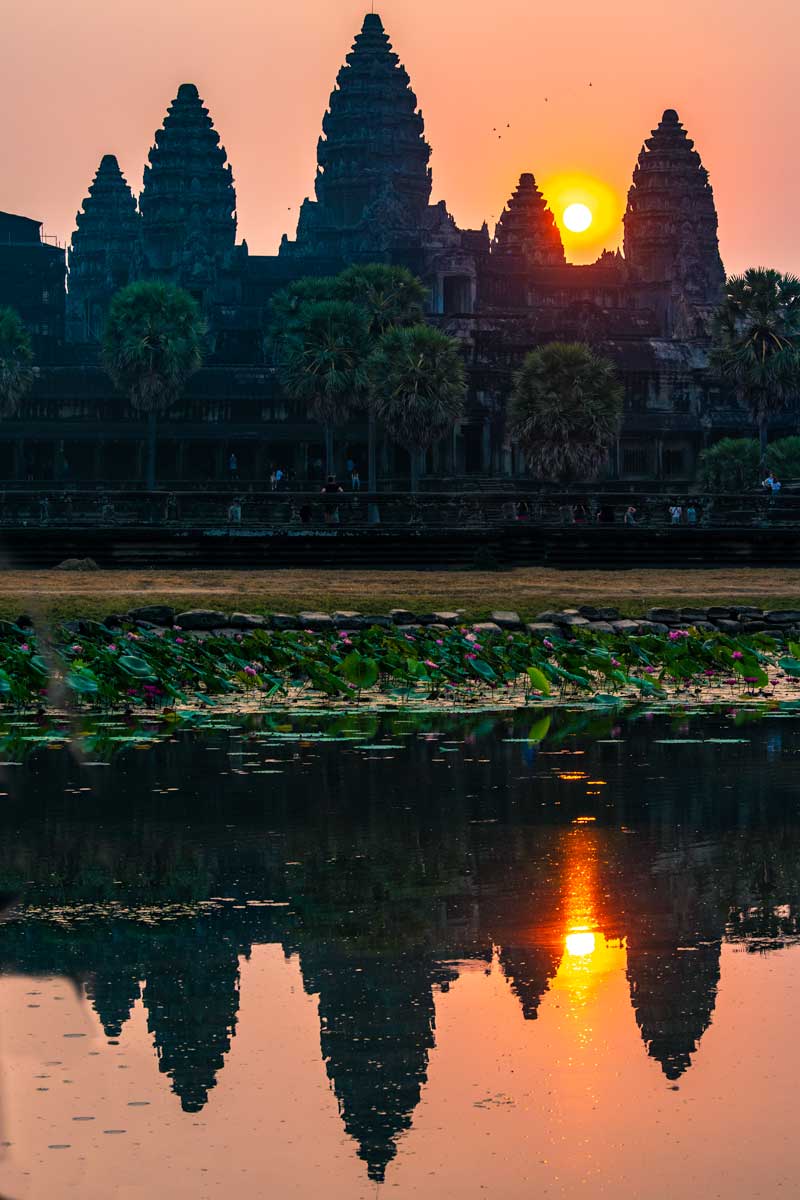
column 730, row 465
column 322, row 362
column 566, row 410
column 418, row 388
column 757, row 341
column 16, row 361
column 153, row 342
column 391, row 297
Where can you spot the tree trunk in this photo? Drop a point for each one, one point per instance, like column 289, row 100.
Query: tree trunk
column 151, row 452
column 329, row 470
column 373, row 515
column 415, row 456
column 762, row 440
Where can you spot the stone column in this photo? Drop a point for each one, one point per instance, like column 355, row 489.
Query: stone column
column 486, row 448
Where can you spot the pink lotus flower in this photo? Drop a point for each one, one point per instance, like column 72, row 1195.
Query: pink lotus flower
column 470, row 656
column 180, row 641
column 112, row 646
column 676, row 634
column 737, row 654
column 76, row 649
column 25, row 647
column 250, row 671
column 548, row 644
column 428, row 663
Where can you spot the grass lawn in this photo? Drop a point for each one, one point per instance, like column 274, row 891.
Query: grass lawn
column 62, row 594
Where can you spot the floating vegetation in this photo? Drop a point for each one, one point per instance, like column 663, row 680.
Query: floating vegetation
column 169, row 671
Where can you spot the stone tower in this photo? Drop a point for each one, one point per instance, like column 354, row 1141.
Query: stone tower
column 105, row 253
column 188, row 202
column 373, row 182
column 671, row 222
column 527, row 229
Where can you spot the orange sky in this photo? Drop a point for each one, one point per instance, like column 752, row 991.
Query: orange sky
column 84, row 77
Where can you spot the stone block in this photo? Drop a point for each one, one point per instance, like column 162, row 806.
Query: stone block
column 447, row 618
column 543, row 629
column 569, row 619
column 158, row 614
column 726, row 625
column 284, row 621
column 200, row 618
column 377, row 621
column 626, row 627
column 347, row 620
column 248, row 621
column 484, row 627
column 788, row 616
column 318, row 621
column 667, row 616
column 402, row 616
column 601, row 627
column 507, row 620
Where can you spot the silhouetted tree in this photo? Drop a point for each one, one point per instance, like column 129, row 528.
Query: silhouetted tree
column 757, row 341
column 418, row 388
column 16, row 361
column 153, row 342
column 566, row 410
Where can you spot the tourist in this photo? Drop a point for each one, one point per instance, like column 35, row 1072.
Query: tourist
column 278, row 479
column 273, row 480
column 331, row 510
column 233, row 466
column 235, row 511
column 630, row 516
column 675, row 513
column 768, row 483
column 691, row 515
column 523, row 510
column 355, row 480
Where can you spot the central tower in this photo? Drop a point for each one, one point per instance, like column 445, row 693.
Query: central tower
column 373, row 181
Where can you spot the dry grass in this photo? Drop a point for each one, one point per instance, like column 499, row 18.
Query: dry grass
column 527, row 591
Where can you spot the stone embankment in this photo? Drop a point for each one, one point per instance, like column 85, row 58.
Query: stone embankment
column 733, row 620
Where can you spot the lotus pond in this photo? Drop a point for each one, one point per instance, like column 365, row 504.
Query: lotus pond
column 130, row 667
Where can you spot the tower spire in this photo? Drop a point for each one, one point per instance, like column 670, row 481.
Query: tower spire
column 188, row 201
column 671, row 221
column 372, row 158
column 527, row 229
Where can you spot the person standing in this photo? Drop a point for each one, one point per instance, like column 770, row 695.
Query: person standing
column 630, row 516
column 233, row 466
column 675, row 513
column 355, row 480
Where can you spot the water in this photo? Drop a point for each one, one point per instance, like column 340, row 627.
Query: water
column 437, row 956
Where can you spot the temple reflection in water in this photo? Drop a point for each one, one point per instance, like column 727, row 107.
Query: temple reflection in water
column 386, row 881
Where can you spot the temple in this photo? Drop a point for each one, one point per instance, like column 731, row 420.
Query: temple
column 502, row 293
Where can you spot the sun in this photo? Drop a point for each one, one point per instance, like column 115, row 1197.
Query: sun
column 577, row 217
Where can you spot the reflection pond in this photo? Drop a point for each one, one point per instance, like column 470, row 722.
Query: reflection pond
column 442, row 955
